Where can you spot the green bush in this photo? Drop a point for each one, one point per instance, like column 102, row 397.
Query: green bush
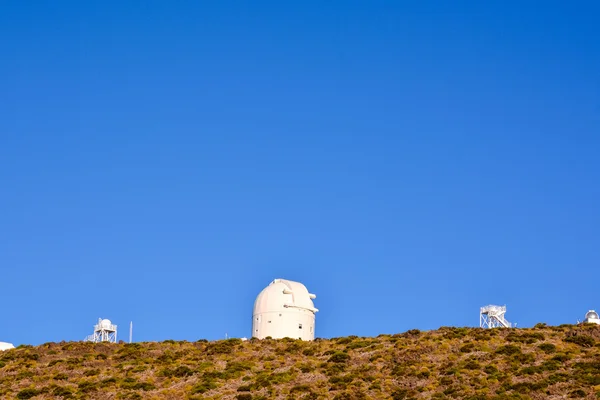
column 61, row 391
column 301, row 388
column 467, row 348
column 223, row 346
column 400, row 394
column 60, row 377
column 472, row 364
column 203, row 387
column 132, row 384
column 547, row 348
column 561, row 357
column 27, row 393
column 179, row 372
column 581, row 340
column 508, row 350
column 577, row 393
column 490, row 369
column 91, row 372
column 340, row 382
column 339, row 357
column 87, row 386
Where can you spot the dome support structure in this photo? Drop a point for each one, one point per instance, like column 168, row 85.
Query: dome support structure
column 493, row 317
column 104, row 331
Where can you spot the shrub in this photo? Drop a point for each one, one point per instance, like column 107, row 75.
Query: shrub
column 223, row 346
column 301, row 388
column 547, row 348
column 472, row 364
column 358, row 344
column 60, row 377
column 467, row 348
column 309, row 352
column 61, row 391
column 508, row 349
column 203, row 387
column 108, row 381
column 526, row 387
column 490, row 369
column 561, row 357
column 339, row 357
column 525, row 337
column 400, row 394
column 27, row 393
column 581, row 340
column 87, row 386
column 235, row 367
column 91, row 372
column 550, row 365
column 577, row 393
column 341, row 381
column 179, row 372
column 306, row 367
column 556, row 378
column 131, row 383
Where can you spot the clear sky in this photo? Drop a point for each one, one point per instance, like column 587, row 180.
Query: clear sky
column 409, row 162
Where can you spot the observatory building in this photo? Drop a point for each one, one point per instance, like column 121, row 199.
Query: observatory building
column 104, row 331
column 6, row 346
column 591, row 317
column 284, row 309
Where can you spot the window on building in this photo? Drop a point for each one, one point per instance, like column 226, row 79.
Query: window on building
column 299, row 326
column 269, row 322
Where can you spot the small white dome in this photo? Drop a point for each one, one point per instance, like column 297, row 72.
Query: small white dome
column 106, row 324
column 6, row 346
column 591, row 315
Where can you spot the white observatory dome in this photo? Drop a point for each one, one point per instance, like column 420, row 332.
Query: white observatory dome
column 106, row 324
column 592, row 317
column 6, row 346
column 284, row 309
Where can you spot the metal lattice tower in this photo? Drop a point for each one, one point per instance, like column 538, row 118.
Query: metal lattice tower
column 104, row 331
column 493, row 317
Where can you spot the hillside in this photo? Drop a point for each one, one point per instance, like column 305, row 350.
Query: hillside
column 449, row 363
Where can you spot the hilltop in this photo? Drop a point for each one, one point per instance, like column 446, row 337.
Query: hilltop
column 448, row 363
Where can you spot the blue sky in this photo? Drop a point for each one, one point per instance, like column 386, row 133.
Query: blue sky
column 409, row 163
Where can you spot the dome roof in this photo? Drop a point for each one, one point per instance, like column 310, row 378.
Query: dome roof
column 281, row 295
column 591, row 315
column 6, row 346
column 106, row 324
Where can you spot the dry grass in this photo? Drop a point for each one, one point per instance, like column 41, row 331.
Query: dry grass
column 449, row 363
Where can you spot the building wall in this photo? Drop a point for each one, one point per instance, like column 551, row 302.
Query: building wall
column 294, row 324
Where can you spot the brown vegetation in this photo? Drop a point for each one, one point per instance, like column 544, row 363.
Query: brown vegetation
column 449, row 363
